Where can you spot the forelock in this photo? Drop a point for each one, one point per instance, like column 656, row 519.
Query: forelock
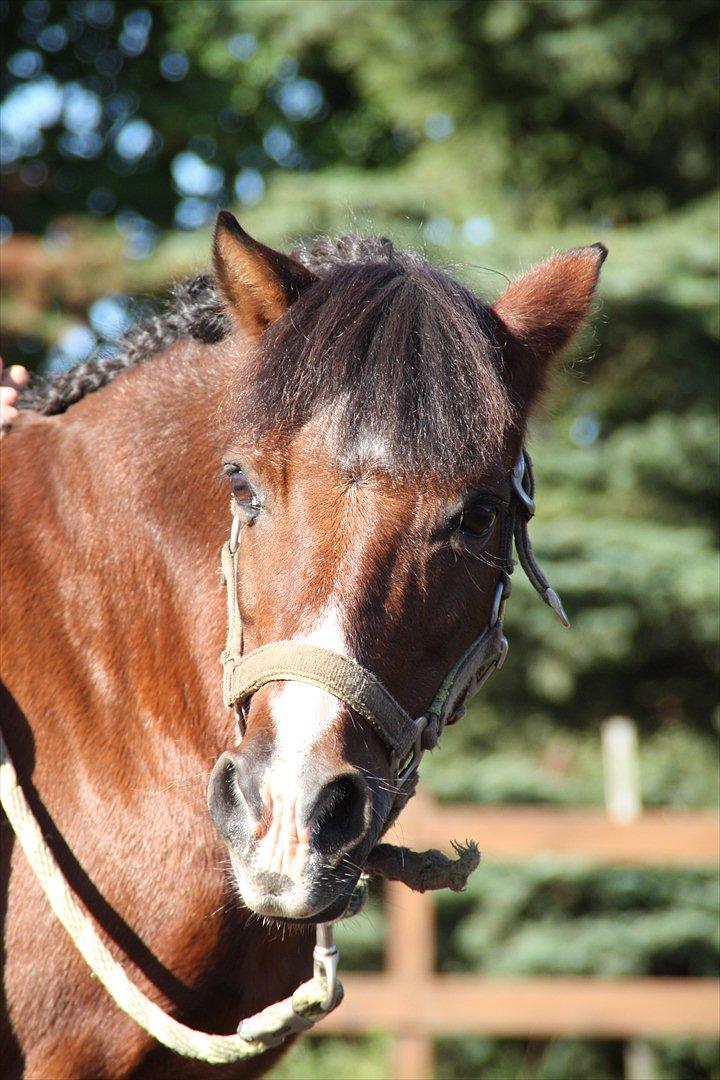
column 392, row 352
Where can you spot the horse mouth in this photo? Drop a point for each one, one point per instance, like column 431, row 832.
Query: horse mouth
column 271, row 910
column 279, row 898
column 334, row 911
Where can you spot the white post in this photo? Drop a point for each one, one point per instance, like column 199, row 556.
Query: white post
column 621, row 769
column 623, row 803
column 639, row 1060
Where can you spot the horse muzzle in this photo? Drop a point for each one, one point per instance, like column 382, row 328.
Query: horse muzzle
column 296, row 847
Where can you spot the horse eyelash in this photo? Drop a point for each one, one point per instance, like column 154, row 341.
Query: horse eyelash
column 229, row 468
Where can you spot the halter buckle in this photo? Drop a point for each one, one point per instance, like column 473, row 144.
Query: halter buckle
column 408, row 769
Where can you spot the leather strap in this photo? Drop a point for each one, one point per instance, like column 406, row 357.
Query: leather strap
column 362, row 691
column 485, row 655
column 234, row 643
column 331, row 671
column 347, row 680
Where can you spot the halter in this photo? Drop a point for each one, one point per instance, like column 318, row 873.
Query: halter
column 405, row 737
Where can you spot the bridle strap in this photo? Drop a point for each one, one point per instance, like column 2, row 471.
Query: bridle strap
column 234, row 643
column 331, row 671
column 483, row 658
column 523, row 482
column 360, row 689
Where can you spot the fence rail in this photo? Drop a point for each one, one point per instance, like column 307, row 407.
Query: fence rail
column 657, row 838
column 541, row 1008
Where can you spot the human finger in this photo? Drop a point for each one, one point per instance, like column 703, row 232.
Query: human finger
column 8, row 412
column 8, row 395
column 19, row 375
column 16, row 375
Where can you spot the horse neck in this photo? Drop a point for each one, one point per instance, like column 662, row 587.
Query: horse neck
column 134, row 513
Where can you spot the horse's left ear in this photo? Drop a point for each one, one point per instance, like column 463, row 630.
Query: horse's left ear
column 540, row 312
column 258, row 283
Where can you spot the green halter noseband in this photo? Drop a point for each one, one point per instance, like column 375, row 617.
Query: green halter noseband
column 406, row 738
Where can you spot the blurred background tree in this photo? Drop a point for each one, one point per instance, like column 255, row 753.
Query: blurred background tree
column 487, row 133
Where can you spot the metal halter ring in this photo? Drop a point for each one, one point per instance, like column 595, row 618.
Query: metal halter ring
column 494, row 665
column 402, row 773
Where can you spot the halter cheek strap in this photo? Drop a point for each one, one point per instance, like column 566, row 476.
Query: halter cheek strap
column 405, row 737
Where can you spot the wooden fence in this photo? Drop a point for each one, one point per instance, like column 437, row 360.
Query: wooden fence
column 416, row 1004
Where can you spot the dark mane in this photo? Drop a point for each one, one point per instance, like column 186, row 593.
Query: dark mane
column 395, row 351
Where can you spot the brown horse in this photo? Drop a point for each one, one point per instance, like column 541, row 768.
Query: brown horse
column 365, row 410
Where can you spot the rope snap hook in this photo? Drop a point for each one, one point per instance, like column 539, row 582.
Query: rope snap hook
column 325, row 962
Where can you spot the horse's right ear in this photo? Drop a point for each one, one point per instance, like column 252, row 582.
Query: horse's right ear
column 257, row 283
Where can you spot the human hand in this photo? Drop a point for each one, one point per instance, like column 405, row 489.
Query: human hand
column 11, row 379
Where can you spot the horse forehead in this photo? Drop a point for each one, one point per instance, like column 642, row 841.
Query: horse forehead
column 317, row 456
column 311, row 470
column 338, row 536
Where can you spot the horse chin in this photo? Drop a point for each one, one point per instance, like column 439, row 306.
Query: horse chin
column 272, row 912
column 291, row 903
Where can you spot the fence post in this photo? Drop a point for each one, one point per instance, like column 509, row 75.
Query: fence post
column 410, row 955
column 623, row 803
column 621, row 769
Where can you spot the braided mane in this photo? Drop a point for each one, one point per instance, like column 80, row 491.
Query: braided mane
column 194, row 310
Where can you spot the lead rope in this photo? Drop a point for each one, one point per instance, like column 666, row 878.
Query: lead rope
column 311, row 1001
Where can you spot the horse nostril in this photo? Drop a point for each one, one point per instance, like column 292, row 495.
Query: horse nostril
column 233, row 792
column 246, row 777
column 221, row 791
column 340, row 813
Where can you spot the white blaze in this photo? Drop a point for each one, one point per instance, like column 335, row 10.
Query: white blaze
column 302, row 713
column 302, row 716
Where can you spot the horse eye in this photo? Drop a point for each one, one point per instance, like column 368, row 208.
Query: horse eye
column 478, row 518
column 241, row 488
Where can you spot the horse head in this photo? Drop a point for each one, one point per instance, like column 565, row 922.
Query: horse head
column 377, row 414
